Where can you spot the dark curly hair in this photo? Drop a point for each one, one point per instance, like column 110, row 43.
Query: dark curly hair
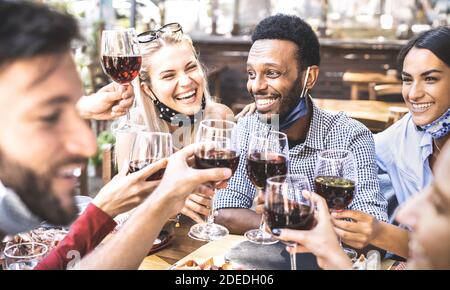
column 293, row 28
column 436, row 40
column 28, row 29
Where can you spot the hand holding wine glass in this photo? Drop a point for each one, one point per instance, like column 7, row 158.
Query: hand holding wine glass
column 287, row 206
column 321, row 240
column 335, row 180
column 267, row 157
column 121, row 59
column 218, row 147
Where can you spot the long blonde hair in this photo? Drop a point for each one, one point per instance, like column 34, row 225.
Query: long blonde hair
column 151, row 114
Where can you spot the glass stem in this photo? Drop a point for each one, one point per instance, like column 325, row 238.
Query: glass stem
column 135, row 87
column 212, row 211
column 128, row 116
column 293, row 255
column 262, row 224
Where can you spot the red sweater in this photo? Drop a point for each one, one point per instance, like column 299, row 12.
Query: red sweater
column 85, row 234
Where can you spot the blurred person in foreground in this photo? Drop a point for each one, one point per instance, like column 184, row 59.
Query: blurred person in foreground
column 408, row 150
column 427, row 215
column 43, row 141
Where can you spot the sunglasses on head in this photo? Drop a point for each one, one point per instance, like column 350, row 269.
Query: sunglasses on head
column 151, row 35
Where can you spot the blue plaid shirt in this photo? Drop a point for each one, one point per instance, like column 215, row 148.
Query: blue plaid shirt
column 327, row 131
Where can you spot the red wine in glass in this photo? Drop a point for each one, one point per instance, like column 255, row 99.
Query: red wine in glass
column 137, row 165
column 120, row 57
column 286, row 206
column 122, row 69
column 292, row 215
column 337, row 191
column 215, row 158
column 217, row 148
column 261, row 166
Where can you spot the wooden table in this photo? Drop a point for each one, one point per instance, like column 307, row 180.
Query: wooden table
column 181, row 246
column 184, row 248
column 373, row 114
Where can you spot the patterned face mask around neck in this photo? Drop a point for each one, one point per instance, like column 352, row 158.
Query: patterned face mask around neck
column 174, row 117
column 439, row 127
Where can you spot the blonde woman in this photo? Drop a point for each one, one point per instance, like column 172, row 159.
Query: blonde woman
column 175, row 96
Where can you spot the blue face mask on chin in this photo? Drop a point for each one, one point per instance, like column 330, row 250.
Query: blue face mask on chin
column 439, row 127
column 300, row 110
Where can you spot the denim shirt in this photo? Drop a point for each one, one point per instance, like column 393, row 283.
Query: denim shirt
column 402, row 151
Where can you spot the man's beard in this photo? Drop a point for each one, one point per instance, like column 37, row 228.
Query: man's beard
column 36, row 190
column 287, row 103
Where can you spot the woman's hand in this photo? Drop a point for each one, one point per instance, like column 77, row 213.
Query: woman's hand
column 321, row 240
column 125, row 192
column 180, row 180
column 111, row 101
column 359, row 232
column 246, row 111
column 198, row 204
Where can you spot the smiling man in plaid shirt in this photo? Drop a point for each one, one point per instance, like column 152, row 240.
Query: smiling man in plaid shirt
column 283, row 64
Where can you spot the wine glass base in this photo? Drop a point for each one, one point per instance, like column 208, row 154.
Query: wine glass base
column 208, row 232
column 260, row 237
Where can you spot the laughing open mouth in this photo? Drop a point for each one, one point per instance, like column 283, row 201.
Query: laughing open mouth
column 264, row 103
column 421, row 107
column 186, row 96
column 73, row 171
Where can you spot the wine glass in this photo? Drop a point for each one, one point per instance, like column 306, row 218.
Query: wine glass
column 124, row 139
column 218, row 147
column 148, row 148
column 121, row 59
column 140, row 148
column 335, row 180
column 286, row 206
column 268, row 155
column 24, row 256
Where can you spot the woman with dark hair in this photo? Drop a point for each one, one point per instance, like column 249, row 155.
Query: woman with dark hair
column 407, row 150
column 427, row 215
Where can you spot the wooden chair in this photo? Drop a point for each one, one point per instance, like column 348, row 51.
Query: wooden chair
column 362, row 81
column 387, row 92
column 107, row 163
column 214, row 77
column 83, row 182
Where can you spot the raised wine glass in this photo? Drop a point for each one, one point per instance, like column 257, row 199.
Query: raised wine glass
column 335, row 180
column 218, row 147
column 121, row 59
column 287, row 206
column 268, row 155
column 150, row 147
